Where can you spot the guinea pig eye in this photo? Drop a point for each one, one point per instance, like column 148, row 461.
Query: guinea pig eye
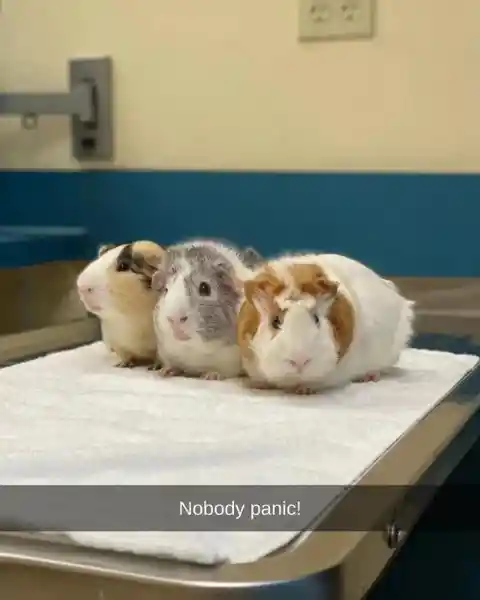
column 122, row 266
column 204, row 289
column 315, row 318
column 276, row 322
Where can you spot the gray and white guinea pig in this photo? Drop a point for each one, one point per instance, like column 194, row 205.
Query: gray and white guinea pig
column 309, row 322
column 200, row 283
column 116, row 287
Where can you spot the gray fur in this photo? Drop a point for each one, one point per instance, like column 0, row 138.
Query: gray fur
column 215, row 314
column 251, row 257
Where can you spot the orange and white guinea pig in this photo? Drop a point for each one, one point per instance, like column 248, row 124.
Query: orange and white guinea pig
column 116, row 287
column 315, row 321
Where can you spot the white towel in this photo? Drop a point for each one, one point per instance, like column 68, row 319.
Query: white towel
column 72, row 418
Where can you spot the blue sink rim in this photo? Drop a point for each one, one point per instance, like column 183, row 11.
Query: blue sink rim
column 24, row 245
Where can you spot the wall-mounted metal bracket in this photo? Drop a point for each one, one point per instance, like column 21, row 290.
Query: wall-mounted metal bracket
column 89, row 103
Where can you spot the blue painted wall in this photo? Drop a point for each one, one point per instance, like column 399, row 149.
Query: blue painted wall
column 400, row 224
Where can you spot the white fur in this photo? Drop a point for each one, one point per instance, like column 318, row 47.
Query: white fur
column 194, row 356
column 383, row 328
column 96, row 276
column 126, row 334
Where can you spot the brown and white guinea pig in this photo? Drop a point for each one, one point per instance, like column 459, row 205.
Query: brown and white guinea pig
column 116, row 287
column 314, row 321
column 200, row 284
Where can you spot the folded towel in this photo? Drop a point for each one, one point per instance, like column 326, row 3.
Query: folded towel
column 72, row 418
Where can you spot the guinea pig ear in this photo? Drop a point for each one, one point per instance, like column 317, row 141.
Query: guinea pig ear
column 261, row 291
column 223, row 271
column 154, row 256
column 325, row 292
column 104, row 248
column 251, row 257
column 159, row 280
column 146, row 261
column 142, row 267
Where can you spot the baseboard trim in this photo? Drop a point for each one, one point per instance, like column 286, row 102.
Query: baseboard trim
column 22, row 345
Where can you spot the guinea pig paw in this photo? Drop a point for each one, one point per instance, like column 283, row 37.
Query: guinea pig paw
column 155, row 367
column 211, row 376
column 169, row 372
column 368, row 377
column 126, row 364
column 304, row 390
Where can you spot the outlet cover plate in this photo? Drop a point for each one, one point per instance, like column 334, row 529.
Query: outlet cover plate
column 94, row 141
column 336, row 19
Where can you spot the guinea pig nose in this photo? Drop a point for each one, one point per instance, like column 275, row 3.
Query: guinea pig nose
column 299, row 363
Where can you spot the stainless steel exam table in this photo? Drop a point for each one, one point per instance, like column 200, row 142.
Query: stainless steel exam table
column 326, row 565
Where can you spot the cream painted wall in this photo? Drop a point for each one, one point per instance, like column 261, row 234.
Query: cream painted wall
column 226, row 85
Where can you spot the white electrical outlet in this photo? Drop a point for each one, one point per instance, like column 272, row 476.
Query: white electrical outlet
column 336, row 19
